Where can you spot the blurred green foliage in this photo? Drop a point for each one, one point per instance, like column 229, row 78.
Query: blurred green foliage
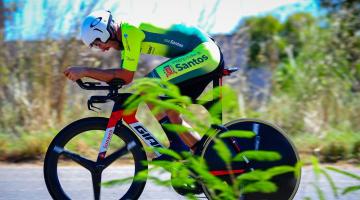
column 314, row 62
column 324, row 171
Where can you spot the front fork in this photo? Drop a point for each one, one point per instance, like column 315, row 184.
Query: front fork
column 116, row 116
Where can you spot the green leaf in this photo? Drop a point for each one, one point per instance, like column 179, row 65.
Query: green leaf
column 216, row 109
column 316, row 167
column 198, row 165
column 191, row 197
column 349, row 174
column 181, row 178
column 260, row 186
column 331, row 182
column 149, row 86
column 298, row 166
column 256, row 175
column 167, row 105
column 158, row 181
column 351, row 189
column 115, row 182
column 165, row 151
column 319, row 192
column 210, row 95
column 260, row 175
column 257, row 155
column 141, row 176
column 169, row 153
column 222, row 151
column 177, row 128
column 238, row 134
column 274, row 171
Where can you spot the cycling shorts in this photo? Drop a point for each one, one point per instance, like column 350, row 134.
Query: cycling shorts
column 191, row 72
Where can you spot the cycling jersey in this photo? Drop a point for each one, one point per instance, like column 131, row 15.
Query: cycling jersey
column 191, row 51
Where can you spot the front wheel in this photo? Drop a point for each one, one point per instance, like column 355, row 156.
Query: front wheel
column 267, row 138
column 77, row 146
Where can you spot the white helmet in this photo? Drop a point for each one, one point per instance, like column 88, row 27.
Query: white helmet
column 96, row 26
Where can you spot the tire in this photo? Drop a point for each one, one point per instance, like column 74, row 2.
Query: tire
column 272, row 138
column 78, row 127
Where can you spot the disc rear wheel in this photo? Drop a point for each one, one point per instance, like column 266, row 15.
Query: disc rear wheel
column 268, row 138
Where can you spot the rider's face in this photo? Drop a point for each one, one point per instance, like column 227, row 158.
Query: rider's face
column 106, row 46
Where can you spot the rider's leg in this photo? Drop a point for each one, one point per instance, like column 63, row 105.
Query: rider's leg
column 190, row 138
column 176, row 143
column 191, row 72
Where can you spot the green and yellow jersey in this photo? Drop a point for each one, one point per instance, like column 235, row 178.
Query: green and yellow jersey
column 191, row 48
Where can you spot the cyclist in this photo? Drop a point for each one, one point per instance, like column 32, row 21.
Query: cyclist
column 193, row 60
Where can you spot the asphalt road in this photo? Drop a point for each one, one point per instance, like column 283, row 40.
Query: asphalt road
column 19, row 182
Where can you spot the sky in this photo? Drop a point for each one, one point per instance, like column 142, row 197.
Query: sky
column 214, row 16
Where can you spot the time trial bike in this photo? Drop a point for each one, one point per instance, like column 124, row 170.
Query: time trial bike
column 134, row 136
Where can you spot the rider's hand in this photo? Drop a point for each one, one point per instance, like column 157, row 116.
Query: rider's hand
column 75, row 73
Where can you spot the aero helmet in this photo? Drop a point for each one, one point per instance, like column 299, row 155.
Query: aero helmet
column 97, row 25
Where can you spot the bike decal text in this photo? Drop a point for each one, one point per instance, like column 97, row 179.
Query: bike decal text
column 147, row 137
column 106, row 140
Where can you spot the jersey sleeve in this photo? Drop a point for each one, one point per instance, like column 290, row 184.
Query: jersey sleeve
column 131, row 39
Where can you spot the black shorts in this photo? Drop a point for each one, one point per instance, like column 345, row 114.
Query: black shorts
column 195, row 86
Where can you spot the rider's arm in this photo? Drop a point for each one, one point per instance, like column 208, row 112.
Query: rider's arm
column 107, row 75
column 131, row 39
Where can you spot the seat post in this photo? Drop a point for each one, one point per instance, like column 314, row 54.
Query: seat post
column 217, row 82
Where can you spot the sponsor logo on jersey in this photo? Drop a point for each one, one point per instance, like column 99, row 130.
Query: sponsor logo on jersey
column 130, row 59
column 169, row 71
column 127, row 46
column 193, row 62
column 151, row 50
column 173, row 42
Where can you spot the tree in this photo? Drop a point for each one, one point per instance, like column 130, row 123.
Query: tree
column 6, row 14
column 263, row 46
column 294, row 28
column 34, row 90
column 344, row 16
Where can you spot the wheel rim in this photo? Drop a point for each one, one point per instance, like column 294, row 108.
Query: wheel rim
column 53, row 173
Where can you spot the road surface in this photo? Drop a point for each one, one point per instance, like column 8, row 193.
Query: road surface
column 26, row 182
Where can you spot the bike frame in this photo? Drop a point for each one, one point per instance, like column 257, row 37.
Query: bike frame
column 118, row 116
